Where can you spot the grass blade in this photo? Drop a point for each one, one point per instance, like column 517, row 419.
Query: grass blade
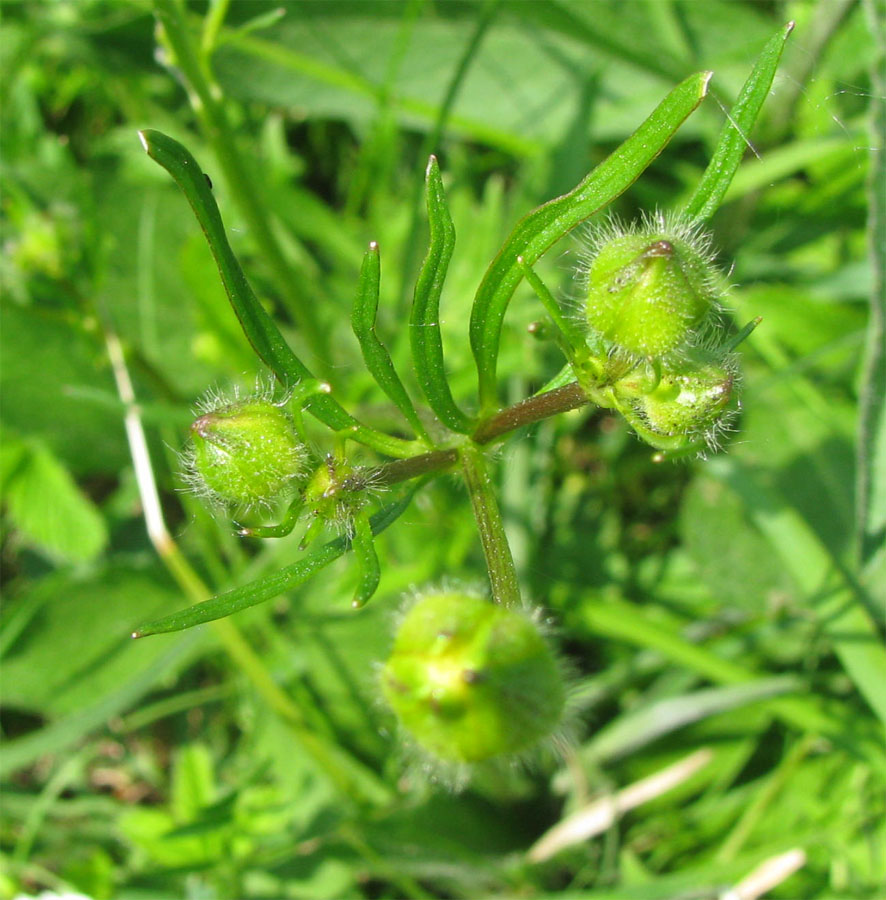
column 624, row 621
column 871, row 490
column 733, row 138
column 635, row 729
column 273, row 585
column 838, row 605
column 375, row 354
column 424, row 320
column 539, row 230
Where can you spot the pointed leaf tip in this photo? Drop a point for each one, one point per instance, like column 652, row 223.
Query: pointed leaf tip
column 144, row 140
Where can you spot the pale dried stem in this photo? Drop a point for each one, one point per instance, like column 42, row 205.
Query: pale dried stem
column 768, row 875
column 600, row 815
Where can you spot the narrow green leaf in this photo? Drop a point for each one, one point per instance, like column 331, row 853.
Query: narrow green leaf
column 539, row 230
column 257, row 325
column 424, row 320
column 734, row 137
column 367, row 560
column 273, row 585
column 375, row 354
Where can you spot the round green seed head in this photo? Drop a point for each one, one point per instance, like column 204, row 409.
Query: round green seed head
column 470, row 680
column 648, row 292
column 246, row 454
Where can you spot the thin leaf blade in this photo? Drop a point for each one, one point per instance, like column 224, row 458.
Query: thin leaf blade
column 731, row 144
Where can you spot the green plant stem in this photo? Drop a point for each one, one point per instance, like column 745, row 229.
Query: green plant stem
column 493, row 428
column 499, row 561
column 415, row 466
column 204, row 99
column 533, row 409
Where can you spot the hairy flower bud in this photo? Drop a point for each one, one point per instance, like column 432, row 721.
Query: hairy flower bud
column 650, row 288
column 245, row 454
column 470, row 680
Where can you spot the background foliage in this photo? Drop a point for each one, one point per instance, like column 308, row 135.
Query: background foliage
column 734, row 604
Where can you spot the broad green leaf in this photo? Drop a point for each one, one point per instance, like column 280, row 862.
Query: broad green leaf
column 75, row 647
column 539, row 230
column 85, row 438
column 193, row 782
column 734, row 138
column 424, row 320
column 519, row 93
column 721, row 541
column 49, row 510
column 75, row 663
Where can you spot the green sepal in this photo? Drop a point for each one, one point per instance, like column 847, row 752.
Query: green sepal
column 290, row 519
column 539, row 230
column 375, row 354
column 733, row 138
column 682, row 405
column 424, row 319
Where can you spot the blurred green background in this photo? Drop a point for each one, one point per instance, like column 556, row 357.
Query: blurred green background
column 734, row 604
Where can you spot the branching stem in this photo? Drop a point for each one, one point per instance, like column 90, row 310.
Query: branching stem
column 533, row 409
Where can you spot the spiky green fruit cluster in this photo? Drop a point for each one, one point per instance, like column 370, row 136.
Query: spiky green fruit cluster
column 245, row 454
column 470, row 680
